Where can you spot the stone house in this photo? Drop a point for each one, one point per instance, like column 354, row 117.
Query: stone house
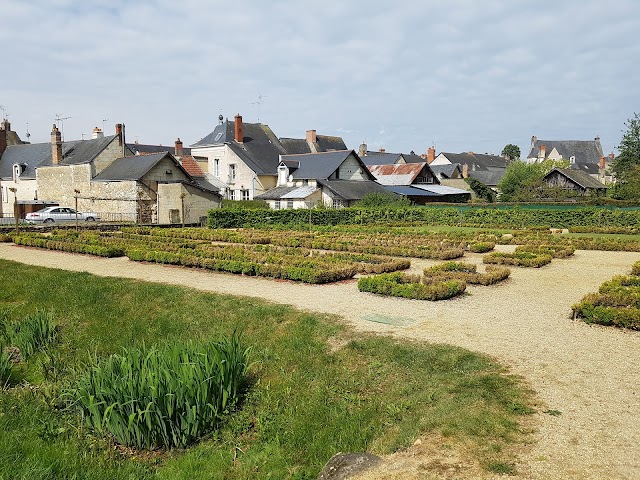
column 242, row 158
column 107, row 178
column 488, row 169
column 336, row 179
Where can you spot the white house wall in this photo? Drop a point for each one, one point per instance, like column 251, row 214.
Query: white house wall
column 26, row 189
column 350, row 169
column 440, row 160
column 246, row 178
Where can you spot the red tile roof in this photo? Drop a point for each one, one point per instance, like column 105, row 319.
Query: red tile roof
column 191, row 166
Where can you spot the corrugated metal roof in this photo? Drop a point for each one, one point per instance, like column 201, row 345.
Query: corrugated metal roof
column 396, row 174
column 408, row 190
column 441, row 189
column 300, row 192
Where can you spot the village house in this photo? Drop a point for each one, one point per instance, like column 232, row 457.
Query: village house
column 335, row 179
column 106, row 177
column 381, row 157
column 488, row 169
column 243, row 158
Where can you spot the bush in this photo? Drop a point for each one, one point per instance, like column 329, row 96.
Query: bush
column 409, row 286
column 162, row 397
column 249, row 204
column 465, row 272
column 383, row 200
column 635, row 269
column 481, row 247
column 518, row 259
column 556, row 251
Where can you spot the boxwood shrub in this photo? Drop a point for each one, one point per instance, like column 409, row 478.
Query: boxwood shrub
column 518, row 259
column 399, row 284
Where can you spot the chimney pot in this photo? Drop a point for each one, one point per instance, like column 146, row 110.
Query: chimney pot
column 543, row 151
column 178, row 148
column 603, row 163
column 238, row 130
column 382, row 150
column 465, row 170
column 311, row 136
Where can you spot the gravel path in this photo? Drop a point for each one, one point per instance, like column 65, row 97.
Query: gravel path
column 588, row 373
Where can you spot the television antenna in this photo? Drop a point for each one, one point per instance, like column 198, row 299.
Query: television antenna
column 104, row 123
column 4, row 109
column 259, row 103
column 28, row 134
column 60, row 122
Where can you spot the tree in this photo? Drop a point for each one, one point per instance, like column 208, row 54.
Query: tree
column 523, row 181
column 629, row 149
column 483, row 191
column 511, row 151
column 383, row 200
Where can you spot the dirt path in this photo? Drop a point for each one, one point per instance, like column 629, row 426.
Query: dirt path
column 588, row 373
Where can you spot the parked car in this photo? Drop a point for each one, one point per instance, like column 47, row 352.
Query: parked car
column 60, row 214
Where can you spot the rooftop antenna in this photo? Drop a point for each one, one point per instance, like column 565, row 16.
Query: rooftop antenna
column 104, row 123
column 60, row 122
column 259, row 103
column 28, row 134
column 3, row 108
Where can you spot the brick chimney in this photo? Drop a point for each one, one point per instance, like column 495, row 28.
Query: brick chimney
column 431, row 154
column 465, row 170
column 543, row 151
column 4, row 129
column 382, row 150
column 311, row 136
column 56, row 146
column 178, row 148
column 238, row 131
column 119, row 133
column 603, row 163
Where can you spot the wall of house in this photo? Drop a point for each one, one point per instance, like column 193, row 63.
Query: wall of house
column 26, row 189
column 440, row 160
column 108, row 155
column 350, row 169
column 559, row 181
column 244, row 175
column 176, row 199
column 117, row 201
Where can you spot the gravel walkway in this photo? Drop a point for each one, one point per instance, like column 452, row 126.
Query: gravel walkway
column 588, row 373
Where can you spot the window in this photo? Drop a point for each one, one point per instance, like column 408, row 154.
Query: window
column 245, row 194
column 4, row 194
column 216, row 167
column 337, row 203
column 276, row 205
column 289, row 203
column 232, row 173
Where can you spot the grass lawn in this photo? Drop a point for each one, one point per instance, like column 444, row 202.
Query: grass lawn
column 317, row 388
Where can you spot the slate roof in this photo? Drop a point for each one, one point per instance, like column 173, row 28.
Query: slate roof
column 413, row 158
column 426, row 190
column 488, row 177
column 34, row 155
column 481, row 161
column 578, row 177
column 380, row 158
column 260, row 149
column 327, row 143
column 318, row 165
column 352, row 189
column 397, row 174
column 590, row 168
column 584, row 151
column 295, row 146
column 146, row 149
column 133, row 168
column 446, row 170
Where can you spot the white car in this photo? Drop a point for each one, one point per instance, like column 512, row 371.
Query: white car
column 59, row 214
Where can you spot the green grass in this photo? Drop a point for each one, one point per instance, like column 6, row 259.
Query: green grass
column 305, row 401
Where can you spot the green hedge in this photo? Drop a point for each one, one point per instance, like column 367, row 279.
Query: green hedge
column 512, row 217
column 556, row 251
column 408, row 286
column 465, row 272
column 518, row 259
column 68, row 246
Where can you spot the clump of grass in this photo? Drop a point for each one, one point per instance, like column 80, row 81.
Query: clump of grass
column 518, row 259
column 32, row 333
column 167, row 397
column 5, row 365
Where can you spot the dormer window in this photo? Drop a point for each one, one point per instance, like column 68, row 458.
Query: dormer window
column 18, row 169
column 283, row 173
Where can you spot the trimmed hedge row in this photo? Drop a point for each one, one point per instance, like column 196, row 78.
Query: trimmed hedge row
column 617, row 302
column 30, row 240
column 398, row 284
column 465, row 272
column 518, row 259
column 503, row 217
column 556, row 251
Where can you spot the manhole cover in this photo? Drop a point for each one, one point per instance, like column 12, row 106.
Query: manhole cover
column 387, row 319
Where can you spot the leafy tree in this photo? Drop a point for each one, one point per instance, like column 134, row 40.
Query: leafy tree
column 629, row 149
column 629, row 187
column 481, row 190
column 523, row 181
column 511, row 151
column 383, row 200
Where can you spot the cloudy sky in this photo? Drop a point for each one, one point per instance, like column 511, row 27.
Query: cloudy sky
column 467, row 75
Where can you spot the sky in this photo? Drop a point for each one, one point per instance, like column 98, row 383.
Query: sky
column 463, row 75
